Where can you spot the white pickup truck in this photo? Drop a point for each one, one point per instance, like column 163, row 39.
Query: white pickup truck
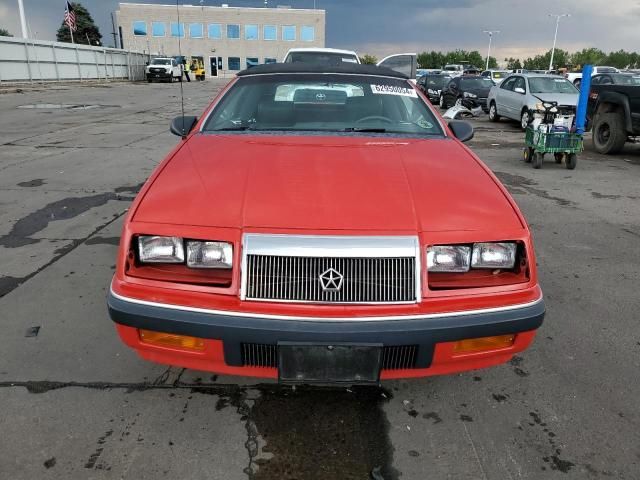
column 576, row 77
column 163, row 69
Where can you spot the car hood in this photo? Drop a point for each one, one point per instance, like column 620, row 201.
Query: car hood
column 480, row 92
column 561, row 98
column 326, row 183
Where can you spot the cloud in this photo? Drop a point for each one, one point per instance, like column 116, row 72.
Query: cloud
column 381, row 27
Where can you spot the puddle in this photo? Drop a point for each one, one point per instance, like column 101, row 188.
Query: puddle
column 317, row 433
column 22, row 231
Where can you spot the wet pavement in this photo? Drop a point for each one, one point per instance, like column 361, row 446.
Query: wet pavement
column 76, row 403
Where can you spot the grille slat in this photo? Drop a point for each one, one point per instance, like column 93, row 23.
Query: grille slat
column 297, row 279
column 401, row 357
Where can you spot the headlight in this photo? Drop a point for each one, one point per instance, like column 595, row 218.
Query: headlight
column 431, row 91
column 539, row 107
column 469, row 95
column 493, row 255
column 154, row 249
column 448, row 258
column 209, row 254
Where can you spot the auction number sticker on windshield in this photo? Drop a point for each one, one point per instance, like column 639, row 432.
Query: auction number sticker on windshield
column 394, row 90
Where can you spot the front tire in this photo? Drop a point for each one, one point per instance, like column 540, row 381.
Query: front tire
column 493, row 113
column 571, row 161
column 525, row 119
column 609, row 133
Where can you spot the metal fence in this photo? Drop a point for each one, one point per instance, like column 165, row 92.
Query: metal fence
column 27, row 60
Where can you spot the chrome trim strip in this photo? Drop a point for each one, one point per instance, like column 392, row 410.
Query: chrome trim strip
column 426, row 316
column 340, row 246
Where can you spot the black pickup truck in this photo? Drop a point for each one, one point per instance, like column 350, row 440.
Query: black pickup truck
column 613, row 112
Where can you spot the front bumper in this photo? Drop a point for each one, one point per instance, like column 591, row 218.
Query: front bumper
column 159, row 75
column 227, row 332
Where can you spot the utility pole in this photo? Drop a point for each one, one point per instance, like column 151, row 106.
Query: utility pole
column 23, row 20
column 555, row 38
column 491, row 33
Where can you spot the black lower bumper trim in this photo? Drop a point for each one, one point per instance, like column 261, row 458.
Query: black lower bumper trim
column 236, row 330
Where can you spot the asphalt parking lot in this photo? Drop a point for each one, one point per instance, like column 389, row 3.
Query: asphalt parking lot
column 75, row 403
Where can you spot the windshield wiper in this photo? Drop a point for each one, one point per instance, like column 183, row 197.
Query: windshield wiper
column 365, row 129
column 235, row 128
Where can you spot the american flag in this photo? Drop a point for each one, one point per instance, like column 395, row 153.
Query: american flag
column 70, row 17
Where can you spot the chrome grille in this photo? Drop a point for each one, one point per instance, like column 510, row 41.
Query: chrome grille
column 297, row 279
column 401, row 357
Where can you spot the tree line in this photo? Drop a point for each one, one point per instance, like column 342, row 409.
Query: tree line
column 562, row 59
column 587, row 56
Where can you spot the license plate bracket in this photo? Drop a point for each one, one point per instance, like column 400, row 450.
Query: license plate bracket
column 329, row 362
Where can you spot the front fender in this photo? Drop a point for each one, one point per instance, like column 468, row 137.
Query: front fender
column 615, row 99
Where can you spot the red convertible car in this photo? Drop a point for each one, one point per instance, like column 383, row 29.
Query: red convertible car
column 324, row 226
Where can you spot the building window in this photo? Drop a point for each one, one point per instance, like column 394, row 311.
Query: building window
column 234, row 63
column 270, row 60
column 177, row 30
column 195, row 30
column 158, row 29
column 251, row 32
column 270, row 32
column 289, row 33
column 140, row 28
column 307, row 34
column 215, row 31
column 233, row 31
column 252, row 61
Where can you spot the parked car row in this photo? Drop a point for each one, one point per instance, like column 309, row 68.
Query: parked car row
column 576, row 77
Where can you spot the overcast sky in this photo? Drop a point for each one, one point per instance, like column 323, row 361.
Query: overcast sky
column 381, row 27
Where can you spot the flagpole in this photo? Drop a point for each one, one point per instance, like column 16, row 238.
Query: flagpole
column 68, row 9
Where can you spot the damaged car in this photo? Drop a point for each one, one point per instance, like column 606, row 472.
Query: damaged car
column 518, row 97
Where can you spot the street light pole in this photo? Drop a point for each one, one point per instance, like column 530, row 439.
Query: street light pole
column 490, row 33
column 555, row 37
column 23, row 20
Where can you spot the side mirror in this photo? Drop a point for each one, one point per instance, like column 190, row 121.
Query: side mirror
column 181, row 126
column 463, row 131
column 519, row 90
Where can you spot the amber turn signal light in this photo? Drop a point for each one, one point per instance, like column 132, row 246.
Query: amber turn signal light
column 472, row 345
column 162, row 339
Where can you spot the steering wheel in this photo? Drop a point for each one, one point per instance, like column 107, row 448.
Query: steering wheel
column 374, row 117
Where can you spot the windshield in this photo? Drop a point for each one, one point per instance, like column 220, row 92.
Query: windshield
column 323, row 103
column 499, row 75
column 437, row 81
column 325, row 58
column 551, row 85
column 453, row 68
column 621, row 79
column 160, row 61
column 475, row 83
